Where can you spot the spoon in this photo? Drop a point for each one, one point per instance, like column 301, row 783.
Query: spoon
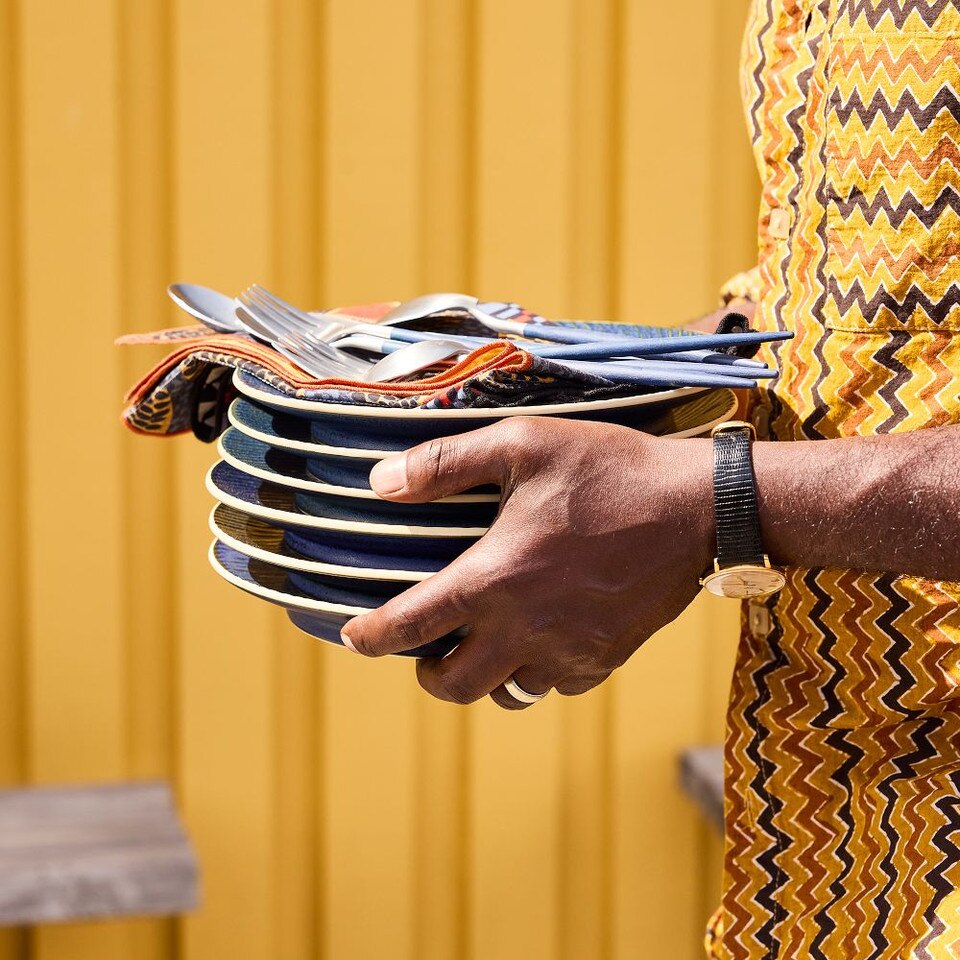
column 430, row 303
column 214, row 309
column 411, row 358
column 226, row 315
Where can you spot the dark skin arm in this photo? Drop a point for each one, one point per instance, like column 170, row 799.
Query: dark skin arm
column 884, row 504
column 604, row 532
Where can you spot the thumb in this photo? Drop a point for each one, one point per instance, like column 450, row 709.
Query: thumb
column 443, row 467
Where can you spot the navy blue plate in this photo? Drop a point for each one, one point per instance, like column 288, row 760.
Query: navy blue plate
column 473, row 515
column 358, row 518
column 270, row 425
column 292, row 430
column 306, row 599
column 387, row 558
column 365, row 426
column 324, row 627
column 333, row 476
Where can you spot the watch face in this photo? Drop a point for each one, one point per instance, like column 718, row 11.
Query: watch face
column 743, row 583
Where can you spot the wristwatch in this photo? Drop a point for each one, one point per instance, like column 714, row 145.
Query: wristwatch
column 741, row 569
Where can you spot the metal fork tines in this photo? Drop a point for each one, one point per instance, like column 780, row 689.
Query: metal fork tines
column 283, row 314
column 293, row 338
column 319, row 326
column 294, row 347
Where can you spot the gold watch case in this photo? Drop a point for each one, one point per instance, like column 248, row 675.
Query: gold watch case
column 745, row 581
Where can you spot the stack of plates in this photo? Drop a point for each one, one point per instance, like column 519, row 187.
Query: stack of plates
column 296, row 522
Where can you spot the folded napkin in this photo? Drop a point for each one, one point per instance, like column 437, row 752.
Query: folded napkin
column 191, row 388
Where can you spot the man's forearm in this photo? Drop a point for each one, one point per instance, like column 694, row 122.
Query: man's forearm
column 888, row 504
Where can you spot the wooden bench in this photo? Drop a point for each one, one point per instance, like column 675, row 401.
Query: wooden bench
column 701, row 775
column 74, row 853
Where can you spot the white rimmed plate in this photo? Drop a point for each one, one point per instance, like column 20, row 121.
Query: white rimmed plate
column 289, row 469
column 287, row 431
column 318, row 618
column 260, row 540
column 276, row 504
column 251, row 387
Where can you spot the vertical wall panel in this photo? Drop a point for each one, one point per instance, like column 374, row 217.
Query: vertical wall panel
column 12, row 608
column 720, row 629
column 298, row 658
column 664, row 277
column 523, row 139
column 148, row 518
column 446, row 163
column 735, row 188
column 594, row 137
column 223, row 229
column 447, row 132
column 523, row 142
column 76, row 658
column 372, row 139
column 585, row 794
column 11, row 479
column 76, row 664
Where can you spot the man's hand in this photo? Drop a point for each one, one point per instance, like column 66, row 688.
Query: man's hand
column 602, row 535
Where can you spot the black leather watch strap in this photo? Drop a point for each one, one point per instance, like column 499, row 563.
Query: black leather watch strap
column 735, row 499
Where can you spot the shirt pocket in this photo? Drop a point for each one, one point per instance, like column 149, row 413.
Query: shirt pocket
column 892, row 182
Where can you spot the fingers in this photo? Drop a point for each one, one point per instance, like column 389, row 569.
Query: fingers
column 467, row 675
column 530, row 679
column 534, row 680
column 482, row 665
column 449, row 465
column 427, row 611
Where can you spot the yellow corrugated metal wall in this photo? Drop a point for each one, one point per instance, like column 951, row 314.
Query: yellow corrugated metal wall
column 586, row 157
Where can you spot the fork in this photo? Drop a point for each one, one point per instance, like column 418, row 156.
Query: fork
column 292, row 337
column 313, row 355
column 318, row 326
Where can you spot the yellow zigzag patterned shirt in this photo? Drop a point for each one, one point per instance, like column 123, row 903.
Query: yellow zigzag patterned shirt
column 843, row 744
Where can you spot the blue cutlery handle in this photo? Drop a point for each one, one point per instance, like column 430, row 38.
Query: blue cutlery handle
column 631, row 346
column 627, row 373
column 559, row 333
column 710, row 356
column 695, row 368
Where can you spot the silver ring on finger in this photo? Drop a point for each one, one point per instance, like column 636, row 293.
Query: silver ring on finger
column 521, row 695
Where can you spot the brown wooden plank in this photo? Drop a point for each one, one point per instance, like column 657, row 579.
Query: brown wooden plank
column 701, row 773
column 69, row 853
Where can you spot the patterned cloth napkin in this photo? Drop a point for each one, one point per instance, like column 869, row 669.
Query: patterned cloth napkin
column 191, row 388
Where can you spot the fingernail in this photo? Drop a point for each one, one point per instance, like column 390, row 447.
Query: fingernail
column 347, row 642
column 390, row 475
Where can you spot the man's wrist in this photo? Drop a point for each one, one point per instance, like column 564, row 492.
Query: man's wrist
column 768, row 468
column 810, row 494
column 689, row 465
